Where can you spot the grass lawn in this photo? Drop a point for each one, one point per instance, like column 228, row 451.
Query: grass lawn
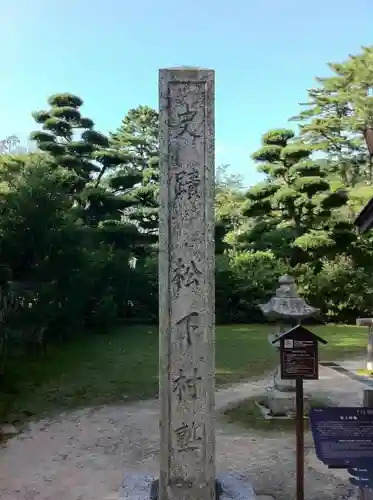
column 123, row 365
column 248, row 415
column 365, row 372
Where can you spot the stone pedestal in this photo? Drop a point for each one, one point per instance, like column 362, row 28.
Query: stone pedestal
column 139, row 486
column 280, row 403
column 283, row 385
column 283, row 403
column 280, row 397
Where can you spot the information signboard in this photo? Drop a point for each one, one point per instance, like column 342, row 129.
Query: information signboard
column 363, row 478
column 343, row 436
column 299, row 358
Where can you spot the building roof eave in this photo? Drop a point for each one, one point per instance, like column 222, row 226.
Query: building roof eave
column 364, row 221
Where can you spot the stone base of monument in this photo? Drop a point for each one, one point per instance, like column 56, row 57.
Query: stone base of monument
column 278, row 404
column 229, row 486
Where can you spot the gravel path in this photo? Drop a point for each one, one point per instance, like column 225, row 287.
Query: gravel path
column 85, row 455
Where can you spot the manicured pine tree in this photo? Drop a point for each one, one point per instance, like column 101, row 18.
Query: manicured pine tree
column 137, row 139
column 292, row 209
column 86, row 156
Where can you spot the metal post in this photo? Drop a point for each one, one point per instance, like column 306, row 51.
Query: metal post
column 300, row 438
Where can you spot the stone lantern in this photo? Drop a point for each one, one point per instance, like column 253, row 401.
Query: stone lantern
column 287, row 309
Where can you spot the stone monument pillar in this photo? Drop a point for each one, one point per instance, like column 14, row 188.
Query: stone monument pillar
column 186, row 284
column 186, row 299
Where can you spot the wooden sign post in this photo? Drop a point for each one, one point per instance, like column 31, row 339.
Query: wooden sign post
column 299, row 361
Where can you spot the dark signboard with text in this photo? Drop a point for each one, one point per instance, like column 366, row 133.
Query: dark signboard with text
column 299, row 358
column 299, row 354
column 343, row 436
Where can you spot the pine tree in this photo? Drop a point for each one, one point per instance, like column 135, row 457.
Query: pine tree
column 87, row 158
column 137, row 140
column 62, row 125
column 293, row 208
column 337, row 115
column 229, row 196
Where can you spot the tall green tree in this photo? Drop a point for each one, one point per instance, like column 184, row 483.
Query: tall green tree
column 229, row 196
column 138, row 176
column 337, row 114
column 294, row 207
column 68, row 137
column 86, row 156
column 41, row 246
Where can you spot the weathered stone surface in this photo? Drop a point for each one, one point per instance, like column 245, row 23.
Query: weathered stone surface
column 288, row 309
column 186, row 284
column 8, row 430
column 154, row 490
column 112, row 496
column 282, row 403
column 283, row 385
column 286, row 304
column 234, row 487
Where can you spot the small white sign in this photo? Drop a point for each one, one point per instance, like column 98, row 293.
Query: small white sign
column 288, row 344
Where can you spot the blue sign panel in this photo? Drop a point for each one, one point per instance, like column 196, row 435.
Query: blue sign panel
column 343, row 436
column 361, row 477
column 362, row 482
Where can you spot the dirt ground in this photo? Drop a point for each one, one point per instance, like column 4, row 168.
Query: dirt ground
column 85, row 455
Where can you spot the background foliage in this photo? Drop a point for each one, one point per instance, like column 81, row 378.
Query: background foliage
column 78, row 225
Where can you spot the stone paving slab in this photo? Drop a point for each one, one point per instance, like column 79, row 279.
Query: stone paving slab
column 339, row 387
column 352, row 364
column 350, row 369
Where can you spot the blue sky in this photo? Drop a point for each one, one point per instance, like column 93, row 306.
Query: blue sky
column 265, row 54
